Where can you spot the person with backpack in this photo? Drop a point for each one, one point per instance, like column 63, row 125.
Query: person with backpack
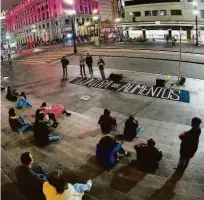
column 101, row 64
column 64, row 62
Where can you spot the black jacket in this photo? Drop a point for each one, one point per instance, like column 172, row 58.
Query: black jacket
column 30, row 183
column 12, row 95
column 189, row 142
column 130, row 129
column 15, row 123
column 41, row 132
column 89, row 60
column 106, row 123
column 64, row 62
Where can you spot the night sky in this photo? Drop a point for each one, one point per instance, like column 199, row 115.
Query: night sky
column 7, row 4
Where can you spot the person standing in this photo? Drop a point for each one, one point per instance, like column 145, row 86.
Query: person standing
column 82, row 66
column 189, row 144
column 89, row 62
column 9, row 56
column 2, row 59
column 64, row 62
column 101, row 64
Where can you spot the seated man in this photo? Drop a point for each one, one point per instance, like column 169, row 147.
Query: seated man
column 17, row 124
column 23, row 102
column 30, row 179
column 56, row 109
column 106, row 151
column 132, row 128
column 49, row 119
column 148, row 155
column 107, row 122
column 42, row 132
column 11, row 95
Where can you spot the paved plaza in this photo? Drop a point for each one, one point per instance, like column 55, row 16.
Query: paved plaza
column 160, row 119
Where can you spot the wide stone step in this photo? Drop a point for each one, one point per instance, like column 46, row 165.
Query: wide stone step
column 48, row 162
column 9, row 189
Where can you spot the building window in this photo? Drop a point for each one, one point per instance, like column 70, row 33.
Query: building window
column 137, row 14
column 202, row 1
column 66, row 21
column 202, row 13
column 48, row 25
column 148, row 13
column 155, row 13
column 43, row 26
column 190, row 0
column 162, row 12
column 176, row 12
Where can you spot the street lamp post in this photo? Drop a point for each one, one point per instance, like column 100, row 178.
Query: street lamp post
column 72, row 13
column 96, row 18
column 196, row 21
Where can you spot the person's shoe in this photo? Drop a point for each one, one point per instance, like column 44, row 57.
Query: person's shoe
column 81, row 74
column 117, row 159
column 127, row 153
column 54, row 125
column 68, row 114
column 137, row 135
column 89, row 183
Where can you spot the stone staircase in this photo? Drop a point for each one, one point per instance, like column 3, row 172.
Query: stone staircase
column 75, row 156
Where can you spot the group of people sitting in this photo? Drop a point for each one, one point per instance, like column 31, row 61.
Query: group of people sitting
column 37, row 184
column 109, row 150
column 21, row 99
column 45, row 120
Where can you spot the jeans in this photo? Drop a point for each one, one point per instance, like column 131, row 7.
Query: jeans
column 80, row 188
column 102, row 74
column 138, row 129
column 64, row 70
column 38, row 170
column 183, row 163
column 25, row 126
column 90, row 68
column 82, row 67
column 53, row 138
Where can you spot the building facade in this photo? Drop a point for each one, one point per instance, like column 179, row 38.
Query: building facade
column 3, row 28
column 46, row 20
column 163, row 17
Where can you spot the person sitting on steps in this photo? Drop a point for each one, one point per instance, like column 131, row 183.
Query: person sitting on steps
column 17, row 124
column 58, row 189
column 107, row 122
column 107, row 151
column 11, row 95
column 148, row 156
column 23, row 102
column 56, row 109
column 30, row 178
column 132, row 129
column 48, row 118
column 42, row 132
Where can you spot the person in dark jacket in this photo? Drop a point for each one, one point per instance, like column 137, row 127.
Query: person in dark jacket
column 17, row 124
column 42, row 132
column 89, row 62
column 64, row 62
column 107, row 122
column 101, row 64
column 189, row 143
column 107, row 150
column 148, row 156
column 11, row 95
column 132, row 128
column 30, row 179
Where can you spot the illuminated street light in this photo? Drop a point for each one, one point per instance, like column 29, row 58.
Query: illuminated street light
column 196, row 12
column 118, row 20
column 72, row 13
column 95, row 18
column 194, row 3
column 87, row 24
column 70, row 2
column 95, row 11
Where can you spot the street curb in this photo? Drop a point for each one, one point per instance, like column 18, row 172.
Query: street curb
column 151, row 50
column 140, row 57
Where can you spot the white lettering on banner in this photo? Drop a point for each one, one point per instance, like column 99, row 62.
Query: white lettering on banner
column 159, row 91
column 125, row 86
column 137, row 87
column 163, row 97
column 95, row 83
column 109, row 84
column 80, row 79
column 128, row 88
column 115, row 85
column 177, row 97
column 103, row 83
column 152, row 91
column 146, row 88
column 91, row 81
